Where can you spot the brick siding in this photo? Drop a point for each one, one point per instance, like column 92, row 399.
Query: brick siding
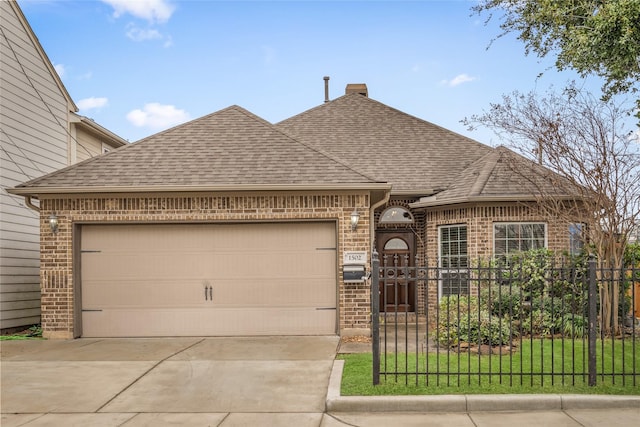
column 57, row 265
column 479, row 220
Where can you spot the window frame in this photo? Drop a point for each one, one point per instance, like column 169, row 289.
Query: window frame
column 577, row 238
column 461, row 268
column 507, row 253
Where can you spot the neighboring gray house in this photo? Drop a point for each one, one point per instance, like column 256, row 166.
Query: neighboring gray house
column 40, row 132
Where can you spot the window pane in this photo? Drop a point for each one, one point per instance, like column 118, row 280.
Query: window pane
column 538, row 231
column 538, row 244
column 444, row 262
column 396, row 215
column 453, row 260
column 516, row 237
column 397, row 244
column 463, row 233
column 455, row 283
column 576, row 238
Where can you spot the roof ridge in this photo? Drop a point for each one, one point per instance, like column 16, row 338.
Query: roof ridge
column 388, row 107
column 322, row 152
column 304, row 144
column 488, row 162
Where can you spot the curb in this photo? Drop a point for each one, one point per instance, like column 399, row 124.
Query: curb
column 469, row 402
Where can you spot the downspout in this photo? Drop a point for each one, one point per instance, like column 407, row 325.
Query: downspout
column 27, row 201
column 372, row 216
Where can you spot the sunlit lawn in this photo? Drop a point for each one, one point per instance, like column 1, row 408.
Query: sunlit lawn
column 517, row 372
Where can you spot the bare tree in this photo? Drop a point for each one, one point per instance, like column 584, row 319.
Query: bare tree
column 590, row 172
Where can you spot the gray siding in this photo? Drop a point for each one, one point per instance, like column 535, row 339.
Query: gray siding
column 88, row 145
column 34, row 136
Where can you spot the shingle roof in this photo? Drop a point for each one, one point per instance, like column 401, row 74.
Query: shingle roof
column 387, row 144
column 499, row 174
column 231, row 147
column 418, row 157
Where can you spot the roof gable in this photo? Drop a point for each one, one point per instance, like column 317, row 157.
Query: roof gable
column 229, row 148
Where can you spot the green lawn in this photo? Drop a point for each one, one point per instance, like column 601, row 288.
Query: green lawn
column 498, row 375
column 33, row 332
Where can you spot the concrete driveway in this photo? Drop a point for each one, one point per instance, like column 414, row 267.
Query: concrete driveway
column 194, row 381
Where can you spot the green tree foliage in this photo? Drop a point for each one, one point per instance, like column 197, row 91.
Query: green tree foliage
column 600, row 37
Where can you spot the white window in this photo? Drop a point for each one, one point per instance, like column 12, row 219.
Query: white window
column 513, row 237
column 454, row 260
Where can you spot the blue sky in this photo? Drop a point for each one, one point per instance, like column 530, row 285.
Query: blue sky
column 140, row 66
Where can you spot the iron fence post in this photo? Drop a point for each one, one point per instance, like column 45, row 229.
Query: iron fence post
column 375, row 316
column 593, row 320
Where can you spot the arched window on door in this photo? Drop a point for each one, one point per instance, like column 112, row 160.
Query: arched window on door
column 396, row 244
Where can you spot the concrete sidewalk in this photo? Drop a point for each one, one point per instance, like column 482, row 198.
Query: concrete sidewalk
column 260, row 381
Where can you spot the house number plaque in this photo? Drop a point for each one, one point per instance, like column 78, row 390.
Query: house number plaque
column 355, row 257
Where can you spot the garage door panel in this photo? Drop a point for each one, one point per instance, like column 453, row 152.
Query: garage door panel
column 306, row 293
column 128, row 264
column 123, row 293
column 223, row 322
column 206, row 279
column 109, row 295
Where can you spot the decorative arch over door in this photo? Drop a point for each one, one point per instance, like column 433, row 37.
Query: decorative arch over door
column 396, row 215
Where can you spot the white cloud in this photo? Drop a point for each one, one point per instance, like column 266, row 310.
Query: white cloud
column 59, row 69
column 139, row 34
column 458, row 80
column 152, row 10
column 157, row 116
column 91, row 103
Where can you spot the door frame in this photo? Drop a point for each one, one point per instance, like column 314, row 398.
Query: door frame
column 407, row 235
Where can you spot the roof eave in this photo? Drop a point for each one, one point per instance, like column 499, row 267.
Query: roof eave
column 113, row 139
column 424, row 192
column 479, row 199
column 49, row 191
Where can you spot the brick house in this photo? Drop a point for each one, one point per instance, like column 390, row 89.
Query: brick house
column 230, row 225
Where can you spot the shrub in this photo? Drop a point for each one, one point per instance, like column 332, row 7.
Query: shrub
column 502, row 300
column 462, row 320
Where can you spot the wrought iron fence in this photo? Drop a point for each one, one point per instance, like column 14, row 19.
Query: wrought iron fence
column 532, row 321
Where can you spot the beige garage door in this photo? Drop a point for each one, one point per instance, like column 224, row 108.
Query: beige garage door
column 208, row 280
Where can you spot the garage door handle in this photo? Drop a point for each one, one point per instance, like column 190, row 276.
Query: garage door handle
column 211, row 293
column 208, row 293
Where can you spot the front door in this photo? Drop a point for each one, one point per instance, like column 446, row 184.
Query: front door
column 397, row 250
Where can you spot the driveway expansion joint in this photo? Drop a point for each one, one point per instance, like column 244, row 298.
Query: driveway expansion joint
column 147, row 372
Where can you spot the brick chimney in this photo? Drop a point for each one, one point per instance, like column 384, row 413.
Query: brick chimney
column 360, row 88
